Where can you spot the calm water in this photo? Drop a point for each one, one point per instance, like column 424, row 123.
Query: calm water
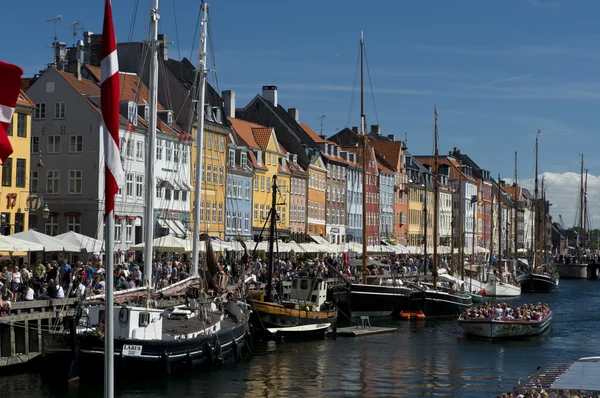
column 430, row 359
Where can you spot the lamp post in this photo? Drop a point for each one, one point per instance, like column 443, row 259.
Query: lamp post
column 45, row 212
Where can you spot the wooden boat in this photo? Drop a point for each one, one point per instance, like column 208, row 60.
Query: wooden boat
column 313, row 331
column 504, row 328
column 538, row 282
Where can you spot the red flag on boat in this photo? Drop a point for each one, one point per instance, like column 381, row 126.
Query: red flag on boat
column 10, row 87
column 109, row 98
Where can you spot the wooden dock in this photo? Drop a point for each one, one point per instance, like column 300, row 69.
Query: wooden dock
column 21, row 331
column 357, row 331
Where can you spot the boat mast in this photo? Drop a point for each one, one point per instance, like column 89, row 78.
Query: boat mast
column 492, row 229
column 363, row 126
column 581, row 231
column 537, row 219
column 499, row 219
column 542, row 232
column 436, row 204
column 272, row 226
column 151, row 147
column 425, row 227
column 201, row 80
column 585, row 209
column 461, row 243
column 516, row 206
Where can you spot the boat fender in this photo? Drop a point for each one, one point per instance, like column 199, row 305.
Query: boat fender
column 218, row 350
column 167, row 363
column 235, row 350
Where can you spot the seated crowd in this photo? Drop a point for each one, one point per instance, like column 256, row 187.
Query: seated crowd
column 490, row 310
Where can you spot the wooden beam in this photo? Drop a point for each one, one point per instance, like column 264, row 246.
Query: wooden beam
column 26, row 337
column 13, row 343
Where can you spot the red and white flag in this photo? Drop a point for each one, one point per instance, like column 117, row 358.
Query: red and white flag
column 110, row 93
column 10, row 87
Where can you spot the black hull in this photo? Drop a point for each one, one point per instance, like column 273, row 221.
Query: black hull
column 439, row 304
column 166, row 357
column 537, row 283
column 377, row 300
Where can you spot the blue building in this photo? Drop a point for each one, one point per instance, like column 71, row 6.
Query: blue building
column 353, row 196
column 238, row 202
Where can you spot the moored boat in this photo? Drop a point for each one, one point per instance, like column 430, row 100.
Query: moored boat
column 501, row 321
column 538, row 282
column 313, row 331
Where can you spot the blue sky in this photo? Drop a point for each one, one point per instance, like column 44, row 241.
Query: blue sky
column 497, row 70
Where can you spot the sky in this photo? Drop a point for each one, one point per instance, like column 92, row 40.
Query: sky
column 497, row 70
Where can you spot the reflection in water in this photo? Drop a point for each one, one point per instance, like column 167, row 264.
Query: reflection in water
column 420, row 359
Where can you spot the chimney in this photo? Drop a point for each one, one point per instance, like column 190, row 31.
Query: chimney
column 375, row 129
column 270, row 94
column 229, row 100
column 337, row 149
column 293, row 112
column 78, row 69
column 355, row 129
column 392, row 137
column 162, row 46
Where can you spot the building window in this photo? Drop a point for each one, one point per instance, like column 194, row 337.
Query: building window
column 247, row 190
column 243, row 160
column 76, row 144
column 33, row 181
column 220, row 212
column 215, row 175
column 175, row 194
column 59, row 110
column 256, row 183
column 51, row 226
column 183, row 196
column 53, row 144
column 168, row 150
column 222, row 143
column 214, row 211
column 35, row 144
column 201, row 211
column 209, row 174
column 228, row 221
column 231, row 158
column 139, row 185
column 167, row 194
column 19, row 222
column 40, row 111
column 159, row 149
column 21, row 125
column 262, row 212
column 247, row 222
column 158, row 191
column 139, row 150
column 21, row 173
column 129, row 184
column 129, row 149
column 129, row 230
column 262, row 183
column 7, row 173
column 118, row 230
column 221, row 175
column 75, row 182
column 210, row 141
column 184, row 155
column 74, row 223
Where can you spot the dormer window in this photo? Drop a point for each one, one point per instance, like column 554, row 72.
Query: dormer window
column 146, row 113
column 132, row 112
column 295, row 158
column 283, row 164
column 259, row 157
column 231, row 157
column 170, row 118
column 244, row 160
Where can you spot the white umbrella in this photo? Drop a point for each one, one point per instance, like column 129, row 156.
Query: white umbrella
column 9, row 244
column 89, row 244
column 50, row 243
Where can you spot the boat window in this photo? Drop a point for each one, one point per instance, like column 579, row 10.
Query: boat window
column 304, row 284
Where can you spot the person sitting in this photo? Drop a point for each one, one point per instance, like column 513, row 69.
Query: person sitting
column 28, row 293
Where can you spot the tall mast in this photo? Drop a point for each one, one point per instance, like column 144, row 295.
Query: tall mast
column 436, row 204
column 461, row 242
column 499, row 219
column 581, row 231
column 492, row 229
column 542, row 232
column 363, row 126
column 516, row 206
column 425, row 226
column 272, row 227
column 201, row 79
column 537, row 219
column 585, row 209
column 151, row 147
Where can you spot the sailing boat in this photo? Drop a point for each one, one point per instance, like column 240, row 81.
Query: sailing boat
column 437, row 300
column 306, row 314
column 205, row 331
column 539, row 277
column 368, row 299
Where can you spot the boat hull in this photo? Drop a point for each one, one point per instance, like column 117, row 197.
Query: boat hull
column 272, row 315
column 164, row 357
column 501, row 289
column 377, row 300
column 501, row 329
column 314, row 331
column 439, row 304
column 537, row 283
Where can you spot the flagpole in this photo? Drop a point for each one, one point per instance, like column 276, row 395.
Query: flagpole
column 109, row 349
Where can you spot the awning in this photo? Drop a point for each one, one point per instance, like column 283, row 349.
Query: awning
column 177, row 231
column 187, row 186
column 162, row 223
column 319, row 239
column 164, row 183
column 180, row 225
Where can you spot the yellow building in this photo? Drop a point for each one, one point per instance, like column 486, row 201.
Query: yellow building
column 415, row 215
column 268, row 160
column 214, row 176
column 14, row 216
column 317, row 181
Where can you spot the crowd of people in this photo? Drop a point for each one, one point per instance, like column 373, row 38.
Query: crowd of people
column 491, row 310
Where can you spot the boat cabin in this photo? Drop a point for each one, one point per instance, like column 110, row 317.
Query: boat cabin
column 309, row 289
column 129, row 322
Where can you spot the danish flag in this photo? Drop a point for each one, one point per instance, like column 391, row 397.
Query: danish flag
column 10, row 87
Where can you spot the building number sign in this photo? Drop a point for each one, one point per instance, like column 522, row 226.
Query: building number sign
column 34, row 202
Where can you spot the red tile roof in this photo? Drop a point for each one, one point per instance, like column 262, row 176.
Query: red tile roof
column 24, row 100
column 246, row 132
column 262, row 135
column 83, row 86
column 315, row 137
column 391, row 150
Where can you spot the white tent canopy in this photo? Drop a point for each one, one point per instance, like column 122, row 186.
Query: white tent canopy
column 50, row 243
column 10, row 244
column 89, row 244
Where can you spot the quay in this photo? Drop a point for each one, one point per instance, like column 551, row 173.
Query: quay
column 21, row 331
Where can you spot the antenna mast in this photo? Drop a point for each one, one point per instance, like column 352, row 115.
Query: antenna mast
column 75, row 26
column 55, row 55
column 321, row 130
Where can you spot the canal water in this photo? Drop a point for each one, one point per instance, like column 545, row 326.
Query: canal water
column 431, row 358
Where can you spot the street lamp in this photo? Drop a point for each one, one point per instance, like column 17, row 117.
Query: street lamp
column 45, row 212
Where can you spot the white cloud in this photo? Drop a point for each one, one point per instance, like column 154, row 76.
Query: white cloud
column 562, row 190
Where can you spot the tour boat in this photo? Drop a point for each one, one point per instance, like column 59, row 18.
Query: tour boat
column 504, row 328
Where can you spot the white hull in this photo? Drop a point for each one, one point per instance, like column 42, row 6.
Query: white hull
column 501, row 289
column 492, row 328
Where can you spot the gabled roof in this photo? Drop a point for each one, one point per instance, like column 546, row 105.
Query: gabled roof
column 24, row 100
column 243, row 131
column 317, row 161
column 254, row 162
column 383, row 167
column 312, row 133
column 390, row 150
column 83, row 86
column 262, row 135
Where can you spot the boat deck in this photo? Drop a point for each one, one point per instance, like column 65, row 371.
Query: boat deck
column 187, row 326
